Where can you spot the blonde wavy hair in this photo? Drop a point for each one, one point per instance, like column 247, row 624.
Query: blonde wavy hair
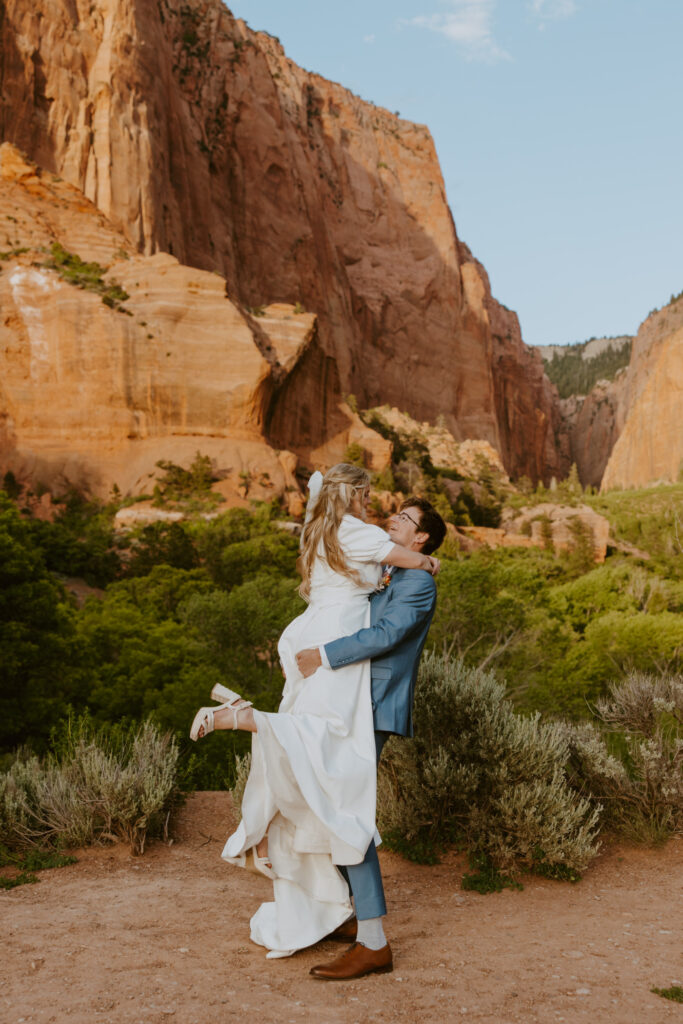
column 340, row 485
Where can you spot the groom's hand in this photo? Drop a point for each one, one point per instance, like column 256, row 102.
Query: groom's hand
column 308, row 661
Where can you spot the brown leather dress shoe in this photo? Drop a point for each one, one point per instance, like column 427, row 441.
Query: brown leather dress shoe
column 355, row 962
column 346, row 932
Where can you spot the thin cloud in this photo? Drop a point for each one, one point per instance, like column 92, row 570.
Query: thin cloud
column 368, row 39
column 469, row 24
column 553, row 10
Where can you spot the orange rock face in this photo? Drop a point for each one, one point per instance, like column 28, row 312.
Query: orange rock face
column 198, row 137
column 93, row 395
column 650, row 445
column 627, row 432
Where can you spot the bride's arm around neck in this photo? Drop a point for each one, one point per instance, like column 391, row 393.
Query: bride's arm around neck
column 405, row 558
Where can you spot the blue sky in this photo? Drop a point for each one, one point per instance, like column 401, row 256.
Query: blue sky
column 558, row 128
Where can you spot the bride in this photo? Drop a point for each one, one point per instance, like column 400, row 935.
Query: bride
column 309, row 801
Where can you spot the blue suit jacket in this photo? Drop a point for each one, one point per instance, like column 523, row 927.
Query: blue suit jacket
column 400, row 617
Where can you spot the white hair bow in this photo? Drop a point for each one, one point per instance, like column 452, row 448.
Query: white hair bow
column 314, row 487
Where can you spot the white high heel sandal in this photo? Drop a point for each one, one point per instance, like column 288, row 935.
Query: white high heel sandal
column 204, row 717
column 261, row 865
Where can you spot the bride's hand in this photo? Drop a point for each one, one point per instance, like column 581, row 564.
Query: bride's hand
column 309, row 661
column 435, row 565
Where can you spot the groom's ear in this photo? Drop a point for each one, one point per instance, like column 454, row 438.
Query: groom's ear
column 421, row 538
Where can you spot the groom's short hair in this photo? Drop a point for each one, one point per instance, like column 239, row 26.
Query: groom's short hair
column 430, row 522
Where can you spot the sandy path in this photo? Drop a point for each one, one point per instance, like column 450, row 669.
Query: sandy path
column 164, row 937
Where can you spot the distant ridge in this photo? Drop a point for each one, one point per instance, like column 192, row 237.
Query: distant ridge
column 589, row 349
column 576, row 369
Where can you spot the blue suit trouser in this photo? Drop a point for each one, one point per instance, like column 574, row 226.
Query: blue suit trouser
column 365, row 879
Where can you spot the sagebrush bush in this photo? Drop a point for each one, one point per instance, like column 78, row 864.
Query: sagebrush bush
column 242, row 769
column 643, row 792
column 115, row 783
column 478, row 769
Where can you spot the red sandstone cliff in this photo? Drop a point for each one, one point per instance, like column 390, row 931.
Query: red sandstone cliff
column 650, row 444
column 594, row 422
column 97, row 384
column 627, row 432
column 198, row 137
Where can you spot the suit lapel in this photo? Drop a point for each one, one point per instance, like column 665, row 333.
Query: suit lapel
column 378, row 602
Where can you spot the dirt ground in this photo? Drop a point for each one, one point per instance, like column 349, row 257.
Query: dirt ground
column 164, row 937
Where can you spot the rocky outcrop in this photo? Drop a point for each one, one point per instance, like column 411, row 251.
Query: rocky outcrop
column 467, row 458
column 108, row 368
column 197, row 137
column 557, row 526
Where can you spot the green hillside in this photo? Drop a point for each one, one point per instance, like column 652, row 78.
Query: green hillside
column 573, row 374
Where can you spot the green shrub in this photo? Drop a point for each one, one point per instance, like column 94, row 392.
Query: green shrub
column 650, row 518
column 90, row 554
column 179, row 485
column 241, row 629
column 355, row 454
column 485, row 877
column 486, row 604
column 274, row 553
column 230, row 527
column 477, row 768
column 40, row 653
column 25, row 862
column 76, row 271
column 107, row 783
column 161, row 543
column 384, row 480
column 674, row 992
column 642, row 788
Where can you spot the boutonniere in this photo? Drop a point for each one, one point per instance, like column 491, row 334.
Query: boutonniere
column 385, row 581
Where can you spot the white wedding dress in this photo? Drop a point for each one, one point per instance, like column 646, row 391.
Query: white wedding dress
column 313, row 772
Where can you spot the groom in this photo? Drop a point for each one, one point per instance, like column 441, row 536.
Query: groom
column 400, row 616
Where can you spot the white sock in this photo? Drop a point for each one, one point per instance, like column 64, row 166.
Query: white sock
column 371, row 933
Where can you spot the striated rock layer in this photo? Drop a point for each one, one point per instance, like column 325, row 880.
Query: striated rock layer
column 198, row 137
column 650, row 445
column 93, row 394
column 627, row 432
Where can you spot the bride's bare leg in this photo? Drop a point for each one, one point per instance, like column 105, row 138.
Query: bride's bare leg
column 224, row 718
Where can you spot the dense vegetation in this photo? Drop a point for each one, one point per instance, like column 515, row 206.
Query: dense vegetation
column 108, row 782
column 530, row 792
column 572, row 374
column 181, row 608
column 178, row 607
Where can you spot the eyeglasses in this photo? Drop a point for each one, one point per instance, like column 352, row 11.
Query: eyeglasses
column 405, row 517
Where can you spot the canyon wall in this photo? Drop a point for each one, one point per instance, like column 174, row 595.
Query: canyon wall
column 198, row 137
column 117, row 360
column 650, row 444
column 627, row 432
column 594, row 422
